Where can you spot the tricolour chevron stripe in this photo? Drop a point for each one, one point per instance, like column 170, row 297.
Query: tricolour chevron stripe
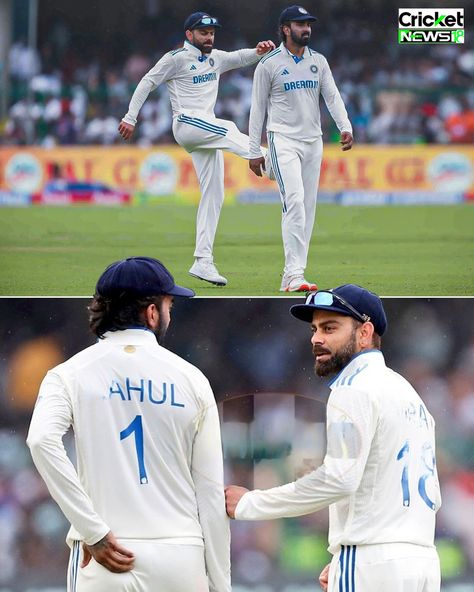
column 203, row 126
column 174, row 52
column 347, row 568
column 276, row 168
column 203, row 121
column 270, row 55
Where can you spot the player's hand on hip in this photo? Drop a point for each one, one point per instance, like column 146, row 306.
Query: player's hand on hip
column 126, row 130
column 324, row 578
column 264, row 47
column 256, row 165
column 233, row 493
column 109, row 553
column 346, row 141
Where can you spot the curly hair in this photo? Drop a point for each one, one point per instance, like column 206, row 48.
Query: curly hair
column 117, row 314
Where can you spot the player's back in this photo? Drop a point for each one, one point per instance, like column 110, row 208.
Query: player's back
column 136, row 409
column 399, row 493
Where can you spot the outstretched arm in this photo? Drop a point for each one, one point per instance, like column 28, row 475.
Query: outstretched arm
column 351, row 423
column 245, row 57
column 161, row 72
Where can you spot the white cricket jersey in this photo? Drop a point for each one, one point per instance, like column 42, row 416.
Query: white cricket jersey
column 379, row 474
column 289, row 88
column 149, row 455
column 192, row 78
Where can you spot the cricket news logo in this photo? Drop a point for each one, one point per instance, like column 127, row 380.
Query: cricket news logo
column 431, row 25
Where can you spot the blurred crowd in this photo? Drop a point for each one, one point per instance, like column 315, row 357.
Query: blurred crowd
column 72, row 92
column 259, row 362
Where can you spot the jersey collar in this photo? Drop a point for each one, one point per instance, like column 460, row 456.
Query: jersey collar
column 296, row 59
column 195, row 51
column 132, row 336
column 356, row 365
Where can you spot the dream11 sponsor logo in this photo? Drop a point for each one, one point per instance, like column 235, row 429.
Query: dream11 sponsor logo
column 431, row 25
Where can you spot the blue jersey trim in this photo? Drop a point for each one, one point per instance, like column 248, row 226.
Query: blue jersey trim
column 175, row 51
column 358, row 371
column 271, row 54
column 217, row 127
column 204, row 126
column 362, row 353
column 348, row 555
column 341, row 567
column 353, row 567
column 347, row 568
column 74, row 565
column 139, row 327
column 276, row 168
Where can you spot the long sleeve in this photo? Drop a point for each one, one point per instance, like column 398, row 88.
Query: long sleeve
column 260, row 96
column 161, row 72
column 351, row 424
column 208, row 477
column 238, row 59
column 333, row 100
column 51, row 419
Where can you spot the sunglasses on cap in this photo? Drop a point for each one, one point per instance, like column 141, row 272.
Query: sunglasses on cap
column 328, row 298
column 205, row 20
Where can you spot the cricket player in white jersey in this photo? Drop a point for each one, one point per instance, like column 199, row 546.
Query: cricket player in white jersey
column 287, row 84
column 379, row 475
column 192, row 75
column 146, row 503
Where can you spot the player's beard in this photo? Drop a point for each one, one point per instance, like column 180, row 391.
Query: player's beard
column 164, row 323
column 301, row 40
column 339, row 359
column 160, row 333
column 203, row 48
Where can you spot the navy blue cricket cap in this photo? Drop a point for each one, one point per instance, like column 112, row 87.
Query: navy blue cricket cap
column 200, row 20
column 138, row 276
column 295, row 13
column 349, row 300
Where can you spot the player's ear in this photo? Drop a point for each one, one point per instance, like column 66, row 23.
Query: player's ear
column 152, row 316
column 366, row 334
column 189, row 35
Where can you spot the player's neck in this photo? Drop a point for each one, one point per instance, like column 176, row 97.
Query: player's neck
column 297, row 50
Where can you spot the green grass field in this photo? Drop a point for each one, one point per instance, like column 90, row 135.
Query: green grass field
column 396, row 251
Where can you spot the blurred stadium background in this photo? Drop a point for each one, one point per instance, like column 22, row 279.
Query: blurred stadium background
column 259, row 362
column 68, row 70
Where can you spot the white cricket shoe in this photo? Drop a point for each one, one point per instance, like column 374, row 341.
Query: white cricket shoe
column 296, row 283
column 204, row 269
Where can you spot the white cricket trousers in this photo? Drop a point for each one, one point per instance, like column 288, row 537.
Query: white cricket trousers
column 204, row 137
column 159, row 567
column 391, row 567
column 297, row 166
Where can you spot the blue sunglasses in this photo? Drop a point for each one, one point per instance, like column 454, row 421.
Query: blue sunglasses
column 206, row 21
column 327, row 298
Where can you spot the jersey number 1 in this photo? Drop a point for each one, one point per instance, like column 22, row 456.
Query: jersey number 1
column 136, row 428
